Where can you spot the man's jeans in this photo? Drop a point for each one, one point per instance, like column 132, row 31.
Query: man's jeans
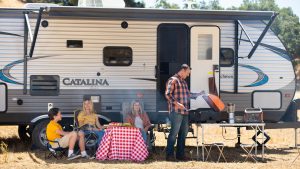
column 180, row 126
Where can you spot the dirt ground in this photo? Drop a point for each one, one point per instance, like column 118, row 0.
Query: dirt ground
column 279, row 153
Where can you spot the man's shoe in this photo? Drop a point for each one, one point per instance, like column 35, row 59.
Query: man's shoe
column 183, row 159
column 73, row 156
column 171, row 158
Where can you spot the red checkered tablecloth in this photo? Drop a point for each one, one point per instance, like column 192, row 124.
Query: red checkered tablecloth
column 122, row 143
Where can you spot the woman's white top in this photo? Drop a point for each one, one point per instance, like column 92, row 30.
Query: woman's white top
column 138, row 122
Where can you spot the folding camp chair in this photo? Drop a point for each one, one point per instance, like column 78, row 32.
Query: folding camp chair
column 248, row 148
column 57, row 153
column 220, row 148
column 298, row 149
column 90, row 138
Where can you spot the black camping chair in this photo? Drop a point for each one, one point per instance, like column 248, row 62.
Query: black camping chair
column 57, row 153
column 90, row 138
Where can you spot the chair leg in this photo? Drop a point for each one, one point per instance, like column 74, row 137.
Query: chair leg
column 248, row 151
column 221, row 153
column 297, row 156
column 208, row 152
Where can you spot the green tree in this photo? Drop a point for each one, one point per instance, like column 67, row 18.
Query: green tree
column 211, row 5
column 286, row 25
column 132, row 3
column 70, row 2
column 215, row 5
column 165, row 5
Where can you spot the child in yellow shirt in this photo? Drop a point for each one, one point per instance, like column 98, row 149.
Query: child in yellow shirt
column 54, row 132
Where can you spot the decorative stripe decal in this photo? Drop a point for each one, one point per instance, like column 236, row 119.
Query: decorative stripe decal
column 261, row 79
column 147, row 79
column 5, row 75
column 12, row 34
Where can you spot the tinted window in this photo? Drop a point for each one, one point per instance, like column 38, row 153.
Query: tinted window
column 74, row 44
column 205, row 47
column 227, row 57
column 117, row 56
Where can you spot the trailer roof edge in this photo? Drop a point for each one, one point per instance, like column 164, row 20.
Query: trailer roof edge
column 158, row 14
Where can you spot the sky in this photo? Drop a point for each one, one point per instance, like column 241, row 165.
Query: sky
column 294, row 4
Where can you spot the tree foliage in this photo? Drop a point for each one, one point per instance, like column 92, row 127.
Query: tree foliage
column 134, row 4
column 286, row 25
column 165, row 5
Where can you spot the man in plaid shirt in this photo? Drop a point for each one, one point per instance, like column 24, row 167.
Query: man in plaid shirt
column 178, row 96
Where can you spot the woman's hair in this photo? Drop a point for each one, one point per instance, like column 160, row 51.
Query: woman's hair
column 53, row 112
column 92, row 110
column 132, row 105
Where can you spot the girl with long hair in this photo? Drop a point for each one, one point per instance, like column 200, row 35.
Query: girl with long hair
column 138, row 118
column 88, row 116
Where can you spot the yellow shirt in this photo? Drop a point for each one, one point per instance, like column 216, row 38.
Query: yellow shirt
column 51, row 131
column 87, row 119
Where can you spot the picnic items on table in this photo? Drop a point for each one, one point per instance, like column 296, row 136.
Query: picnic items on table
column 122, row 143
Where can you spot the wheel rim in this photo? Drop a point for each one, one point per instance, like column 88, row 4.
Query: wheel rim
column 24, row 132
column 43, row 137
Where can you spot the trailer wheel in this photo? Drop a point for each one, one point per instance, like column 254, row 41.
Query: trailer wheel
column 24, row 133
column 39, row 135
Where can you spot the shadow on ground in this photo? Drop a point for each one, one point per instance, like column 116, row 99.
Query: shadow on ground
column 232, row 154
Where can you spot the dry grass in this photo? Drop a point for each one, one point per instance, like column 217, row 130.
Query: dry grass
column 11, row 3
column 279, row 153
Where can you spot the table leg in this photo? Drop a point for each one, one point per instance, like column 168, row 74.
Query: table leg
column 202, row 143
column 255, row 140
column 197, row 142
column 263, row 143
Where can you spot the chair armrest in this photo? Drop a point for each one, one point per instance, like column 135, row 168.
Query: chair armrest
column 53, row 141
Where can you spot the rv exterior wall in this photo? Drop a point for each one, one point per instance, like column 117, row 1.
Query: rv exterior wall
column 122, row 83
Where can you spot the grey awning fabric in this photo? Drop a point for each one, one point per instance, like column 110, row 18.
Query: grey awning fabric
column 157, row 14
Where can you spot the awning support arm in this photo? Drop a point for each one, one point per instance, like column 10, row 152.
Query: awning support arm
column 262, row 35
column 36, row 30
column 243, row 29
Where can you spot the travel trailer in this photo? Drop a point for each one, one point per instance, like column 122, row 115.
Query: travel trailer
column 55, row 56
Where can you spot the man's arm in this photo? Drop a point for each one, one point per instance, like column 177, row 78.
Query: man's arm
column 169, row 90
column 169, row 93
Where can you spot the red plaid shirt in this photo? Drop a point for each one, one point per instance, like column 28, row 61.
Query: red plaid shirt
column 177, row 91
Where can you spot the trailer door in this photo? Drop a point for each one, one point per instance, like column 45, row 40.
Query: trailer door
column 172, row 51
column 204, row 53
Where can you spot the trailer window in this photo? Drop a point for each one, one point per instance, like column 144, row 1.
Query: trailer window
column 226, row 57
column 3, row 97
column 44, row 85
column 74, row 44
column 205, row 46
column 117, row 56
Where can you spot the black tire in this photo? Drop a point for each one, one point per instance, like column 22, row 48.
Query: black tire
column 39, row 135
column 25, row 133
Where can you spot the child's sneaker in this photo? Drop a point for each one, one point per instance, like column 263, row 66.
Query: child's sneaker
column 87, row 157
column 73, row 156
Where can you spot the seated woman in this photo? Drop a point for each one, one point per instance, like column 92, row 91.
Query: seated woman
column 88, row 117
column 138, row 118
column 54, row 132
